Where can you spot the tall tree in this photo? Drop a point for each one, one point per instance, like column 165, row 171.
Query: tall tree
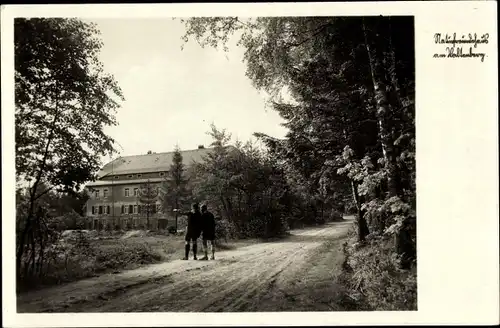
column 351, row 81
column 174, row 190
column 244, row 184
column 63, row 101
column 213, row 175
column 148, row 195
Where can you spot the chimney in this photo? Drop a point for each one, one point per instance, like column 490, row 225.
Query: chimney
column 149, row 152
column 201, row 147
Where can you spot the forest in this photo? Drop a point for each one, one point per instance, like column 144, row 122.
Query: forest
column 345, row 87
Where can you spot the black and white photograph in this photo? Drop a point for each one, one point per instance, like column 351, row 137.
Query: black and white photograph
column 215, row 164
column 301, row 201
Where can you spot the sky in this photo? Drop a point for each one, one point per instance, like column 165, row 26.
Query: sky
column 172, row 95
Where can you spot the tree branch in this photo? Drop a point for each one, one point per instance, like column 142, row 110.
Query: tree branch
column 43, row 193
column 315, row 33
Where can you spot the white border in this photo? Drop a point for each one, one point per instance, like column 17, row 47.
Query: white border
column 457, row 167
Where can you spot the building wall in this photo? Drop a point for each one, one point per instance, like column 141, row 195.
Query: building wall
column 104, row 209
column 116, row 193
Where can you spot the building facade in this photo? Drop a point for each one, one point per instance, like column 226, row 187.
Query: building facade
column 117, row 197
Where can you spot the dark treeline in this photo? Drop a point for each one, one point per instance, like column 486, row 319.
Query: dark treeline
column 250, row 189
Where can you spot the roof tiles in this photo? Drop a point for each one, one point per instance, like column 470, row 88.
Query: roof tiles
column 156, row 162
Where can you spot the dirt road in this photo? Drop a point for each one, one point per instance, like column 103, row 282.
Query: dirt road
column 294, row 274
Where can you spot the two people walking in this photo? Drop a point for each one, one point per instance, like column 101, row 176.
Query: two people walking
column 199, row 223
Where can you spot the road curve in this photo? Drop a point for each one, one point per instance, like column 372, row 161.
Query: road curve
column 294, row 274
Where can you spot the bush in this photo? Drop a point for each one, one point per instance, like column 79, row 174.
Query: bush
column 373, row 278
column 124, row 255
column 172, row 230
column 224, row 229
column 76, row 258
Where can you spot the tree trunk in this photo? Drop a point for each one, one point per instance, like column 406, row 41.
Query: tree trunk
column 363, row 230
column 34, row 189
column 225, row 207
column 392, row 69
column 373, row 41
column 381, row 85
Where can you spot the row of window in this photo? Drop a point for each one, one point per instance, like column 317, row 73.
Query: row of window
column 104, row 192
column 126, row 192
column 130, row 176
column 101, row 209
column 128, row 209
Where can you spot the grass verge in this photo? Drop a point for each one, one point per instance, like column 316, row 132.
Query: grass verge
column 371, row 279
column 85, row 256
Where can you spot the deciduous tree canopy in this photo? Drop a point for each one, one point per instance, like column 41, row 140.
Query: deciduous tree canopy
column 348, row 105
column 63, row 101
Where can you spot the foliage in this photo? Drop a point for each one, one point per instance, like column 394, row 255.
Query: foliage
column 243, row 185
column 125, row 254
column 63, row 101
column 80, row 255
column 345, row 88
column 375, row 279
column 175, row 189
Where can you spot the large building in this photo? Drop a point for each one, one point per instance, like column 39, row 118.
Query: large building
column 116, row 201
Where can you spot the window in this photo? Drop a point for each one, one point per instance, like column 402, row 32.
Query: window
column 117, row 177
column 135, row 209
column 136, row 191
column 139, row 175
column 108, row 209
column 93, row 210
column 97, row 194
column 125, row 209
column 127, row 192
column 105, row 193
column 130, row 176
column 130, row 209
column 100, row 209
column 162, row 174
column 139, row 209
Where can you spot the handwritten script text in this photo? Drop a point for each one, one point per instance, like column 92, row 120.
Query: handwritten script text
column 463, row 46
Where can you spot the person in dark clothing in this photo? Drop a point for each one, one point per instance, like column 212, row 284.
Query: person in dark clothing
column 208, row 229
column 193, row 230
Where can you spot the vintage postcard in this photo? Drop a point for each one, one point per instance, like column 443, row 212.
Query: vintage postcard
column 250, row 164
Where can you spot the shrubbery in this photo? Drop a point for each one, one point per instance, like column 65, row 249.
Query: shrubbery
column 123, row 255
column 76, row 256
column 372, row 277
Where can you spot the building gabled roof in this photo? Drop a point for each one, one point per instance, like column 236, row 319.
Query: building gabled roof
column 155, row 162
